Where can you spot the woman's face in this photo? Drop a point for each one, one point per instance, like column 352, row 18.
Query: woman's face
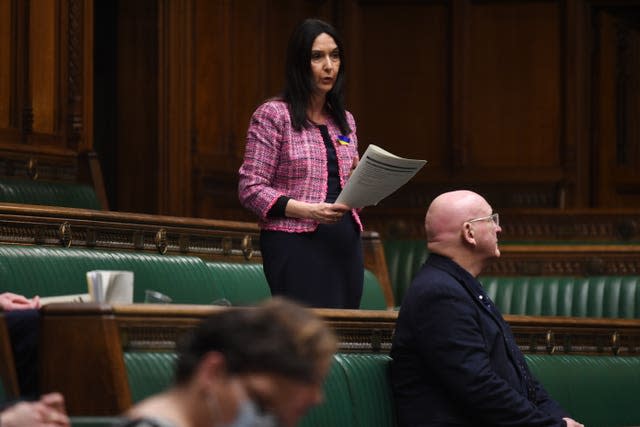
column 325, row 63
column 289, row 400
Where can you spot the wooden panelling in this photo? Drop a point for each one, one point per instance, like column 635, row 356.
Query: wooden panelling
column 398, row 79
column 175, row 128
column 602, row 226
column 5, row 63
column 574, row 191
column 512, row 77
column 8, row 374
column 43, row 60
column 531, row 102
column 46, row 87
column 617, row 93
column 136, row 142
column 215, row 49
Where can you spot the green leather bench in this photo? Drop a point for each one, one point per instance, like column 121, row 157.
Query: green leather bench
column 600, row 391
column 245, row 284
column 49, row 271
column 599, row 296
column 356, row 391
column 14, row 190
column 404, row 258
column 372, row 294
column 241, row 284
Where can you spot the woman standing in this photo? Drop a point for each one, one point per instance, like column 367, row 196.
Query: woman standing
column 301, row 149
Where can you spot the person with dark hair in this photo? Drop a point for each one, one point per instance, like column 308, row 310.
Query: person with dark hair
column 301, row 149
column 455, row 359
column 251, row 367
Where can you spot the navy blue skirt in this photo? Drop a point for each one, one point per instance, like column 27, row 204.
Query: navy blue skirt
column 323, row 268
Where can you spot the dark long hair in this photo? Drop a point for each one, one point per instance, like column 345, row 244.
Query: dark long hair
column 298, row 80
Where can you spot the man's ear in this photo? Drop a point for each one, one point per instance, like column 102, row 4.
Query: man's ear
column 467, row 234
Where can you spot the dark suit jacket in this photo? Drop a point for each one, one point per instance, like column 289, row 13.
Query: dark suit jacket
column 455, row 361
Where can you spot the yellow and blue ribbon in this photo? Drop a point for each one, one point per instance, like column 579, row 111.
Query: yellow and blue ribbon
column 343, row 140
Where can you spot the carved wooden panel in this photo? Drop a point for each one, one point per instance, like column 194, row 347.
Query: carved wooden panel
column 616, row 86
column 605, row 226
column 512, row 86
column 6, row 76
column 566, row 260
column 518, row 100
column 136, row 143
column 44, row 54
column 46, row 85
column 398, row 78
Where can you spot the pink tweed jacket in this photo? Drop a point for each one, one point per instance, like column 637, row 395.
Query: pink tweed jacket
column 280, row 161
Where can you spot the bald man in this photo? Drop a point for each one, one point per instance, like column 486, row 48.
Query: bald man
column 455, row 361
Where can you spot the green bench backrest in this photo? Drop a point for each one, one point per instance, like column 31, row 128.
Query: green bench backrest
column 48, row 271
column 599, row 296
column 369, row 388
column 246, row 284
column 242, row 284
column 404, row 258
column 372, row 295
column 336, row 409
column 48, row 193
column 148, row 372
column 598, row 391
column 357, row 391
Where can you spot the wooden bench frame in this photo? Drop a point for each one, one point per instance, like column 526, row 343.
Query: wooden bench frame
column 8, row 373
column 82, row 344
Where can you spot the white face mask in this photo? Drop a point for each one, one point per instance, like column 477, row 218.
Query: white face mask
column 250, row 416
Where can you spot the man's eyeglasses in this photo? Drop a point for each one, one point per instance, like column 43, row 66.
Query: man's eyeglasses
column 493, row 217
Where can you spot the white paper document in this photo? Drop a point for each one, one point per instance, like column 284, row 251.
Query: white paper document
column 378, row 174
column 110, row 286
column 65, row 298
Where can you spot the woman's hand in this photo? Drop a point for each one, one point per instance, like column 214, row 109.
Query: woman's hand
column 49, row 411
column 10, row 301
column 324, row 213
